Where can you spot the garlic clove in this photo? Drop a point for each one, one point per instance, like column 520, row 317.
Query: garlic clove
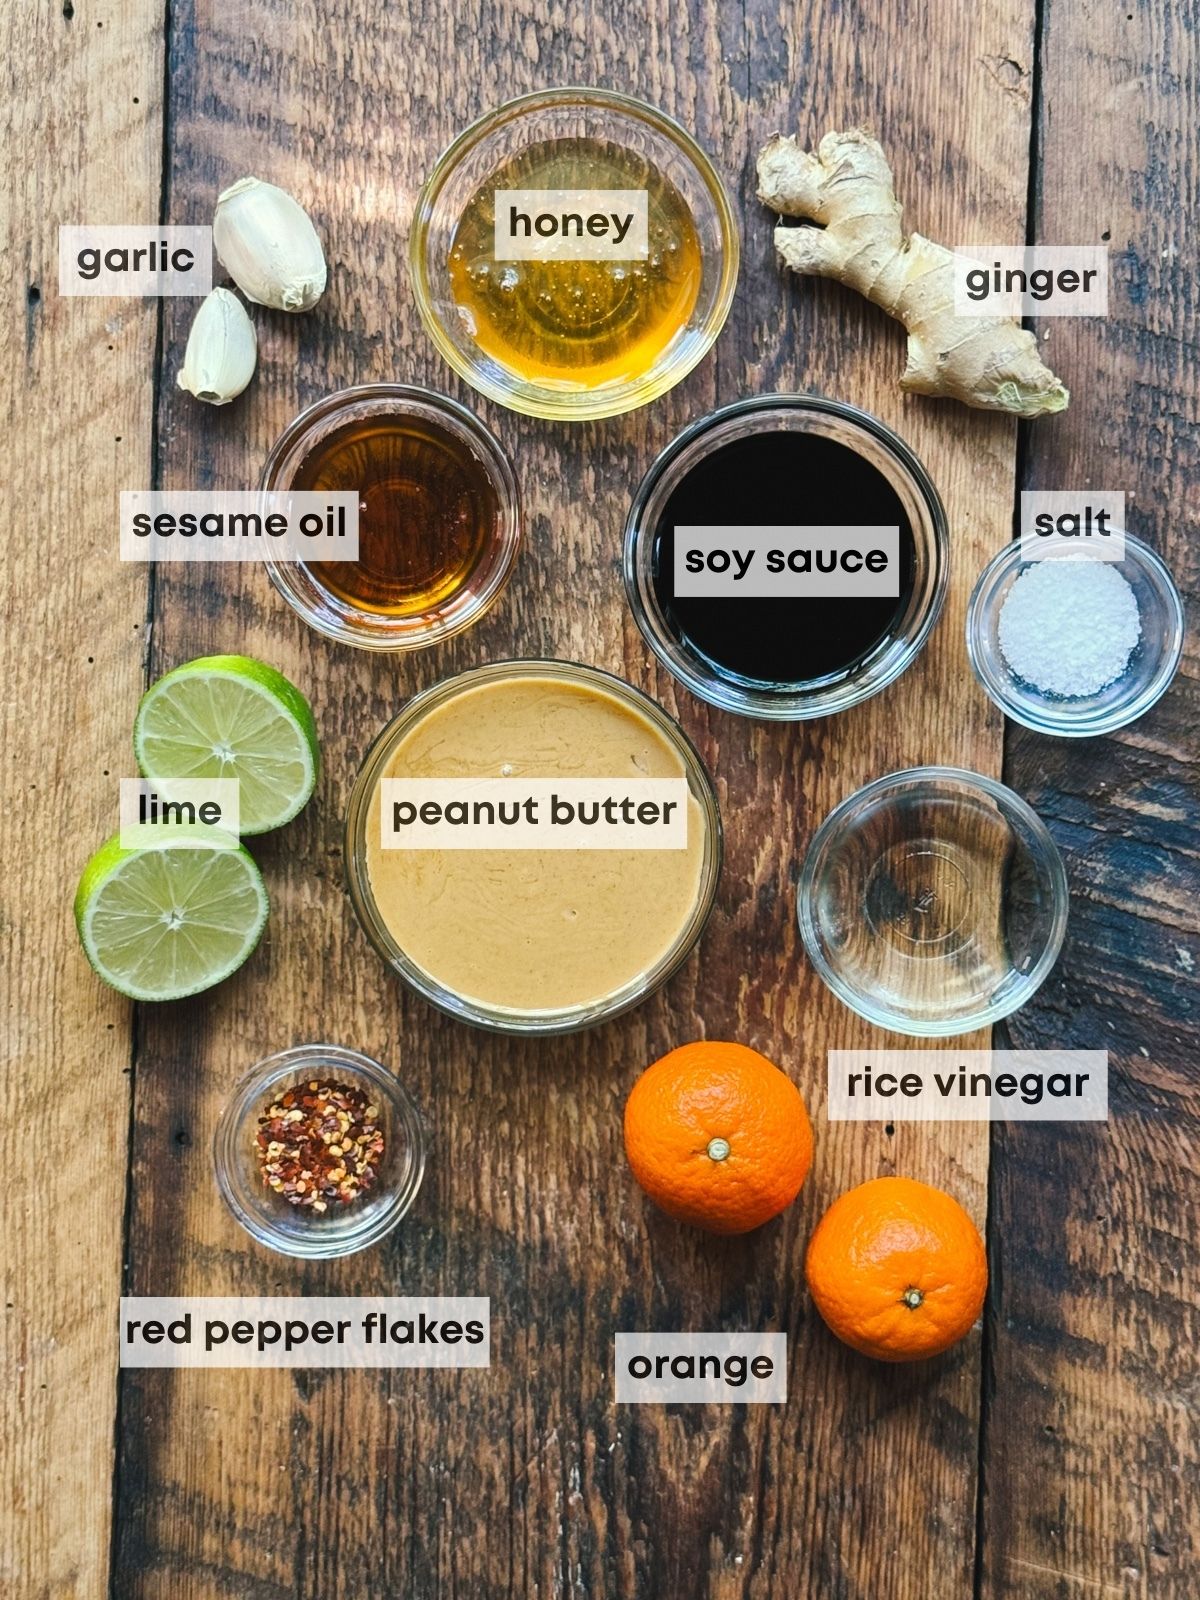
column 268, row 245
column 222, row 350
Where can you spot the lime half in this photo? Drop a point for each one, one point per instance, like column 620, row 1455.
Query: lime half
column 232, row 717
column 163, row 922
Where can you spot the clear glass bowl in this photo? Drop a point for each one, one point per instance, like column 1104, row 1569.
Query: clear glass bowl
column 335, row 617
column 496, row 1018
column 478, row 154
column 1145, row 680
column 933, row 901
column 296, row 1230
column 889, row 455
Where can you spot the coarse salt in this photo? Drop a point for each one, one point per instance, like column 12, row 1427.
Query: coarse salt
column 1069, row 625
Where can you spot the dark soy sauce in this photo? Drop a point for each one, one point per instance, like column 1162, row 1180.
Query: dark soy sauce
column 781, row 478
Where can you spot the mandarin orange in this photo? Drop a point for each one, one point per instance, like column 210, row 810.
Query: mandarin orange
column 897, row 1269
column 718, row 1136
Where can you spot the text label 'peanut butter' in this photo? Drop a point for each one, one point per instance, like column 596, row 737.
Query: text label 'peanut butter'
column 534, row 814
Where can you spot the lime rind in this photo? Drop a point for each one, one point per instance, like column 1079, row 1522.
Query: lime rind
column 190, row 714
column 193, row 836
column 162, row 923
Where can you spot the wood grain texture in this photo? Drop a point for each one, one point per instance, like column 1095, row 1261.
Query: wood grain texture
column 525, row 1480
column 80, row 104
column 1093, row 1426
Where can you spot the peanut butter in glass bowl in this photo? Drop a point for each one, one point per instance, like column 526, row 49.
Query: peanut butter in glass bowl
column 533, row 941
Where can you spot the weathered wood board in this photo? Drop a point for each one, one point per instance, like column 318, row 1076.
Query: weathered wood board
column 1048, row 1457
column 81, row 112
column 526, row 1480
column 1092, row 1433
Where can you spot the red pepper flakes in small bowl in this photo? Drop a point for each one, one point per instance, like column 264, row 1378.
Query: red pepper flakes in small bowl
column 278, row 1132
column 320, row 1143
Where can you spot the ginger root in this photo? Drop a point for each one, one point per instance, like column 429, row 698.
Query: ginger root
column 846, row 188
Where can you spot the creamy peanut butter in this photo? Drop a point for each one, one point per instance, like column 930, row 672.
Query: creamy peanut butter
column 535, row 930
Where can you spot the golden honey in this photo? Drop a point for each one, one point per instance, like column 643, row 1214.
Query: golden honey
column 577, row 323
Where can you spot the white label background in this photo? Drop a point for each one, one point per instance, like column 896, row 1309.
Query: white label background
column 759, row 584
column 354, row 1352
column 708, row 1390
column 171, row 284
column 1108, row 546
column 583, row 203
column 931, row 1105
column 223, row 835
column 539, row 835
column 1056, row 258
column 290, row 545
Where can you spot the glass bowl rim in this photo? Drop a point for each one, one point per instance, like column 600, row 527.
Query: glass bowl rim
column 792, row 705
column 549, row 404
column 232, row 1120
column 1120, row 713
column 1045, row 851
column 500, row 470
column 497, row 1019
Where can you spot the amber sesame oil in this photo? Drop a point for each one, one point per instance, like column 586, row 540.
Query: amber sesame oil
column 576, row 264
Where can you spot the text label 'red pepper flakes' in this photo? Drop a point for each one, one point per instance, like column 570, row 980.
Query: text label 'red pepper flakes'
column 320, row 1142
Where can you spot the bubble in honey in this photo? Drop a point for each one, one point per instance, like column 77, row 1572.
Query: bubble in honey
column 582, row 323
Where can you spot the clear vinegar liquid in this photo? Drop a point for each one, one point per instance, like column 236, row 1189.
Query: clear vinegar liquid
column 578, row 323
column 942, row 916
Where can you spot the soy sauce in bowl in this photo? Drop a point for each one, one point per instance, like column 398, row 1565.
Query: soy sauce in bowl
column 762, row 471
column 786, row 478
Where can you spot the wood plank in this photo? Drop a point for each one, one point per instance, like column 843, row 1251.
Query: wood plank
column 82, row 116
column 1092, row 1429
column 876, row 1468
column 526, row 1480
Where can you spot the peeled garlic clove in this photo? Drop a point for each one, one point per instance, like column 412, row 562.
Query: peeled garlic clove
column 268, row 246
column 221, row 350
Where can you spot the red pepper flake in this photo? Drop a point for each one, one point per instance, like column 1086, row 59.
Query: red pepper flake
column 320, row 1142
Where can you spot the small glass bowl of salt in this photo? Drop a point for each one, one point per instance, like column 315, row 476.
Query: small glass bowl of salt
column 1071, row 644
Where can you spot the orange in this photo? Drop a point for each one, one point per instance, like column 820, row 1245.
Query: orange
column 718, row 1137
column 897, row 1269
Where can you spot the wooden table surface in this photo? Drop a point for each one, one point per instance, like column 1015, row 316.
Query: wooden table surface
column 1051, row 1454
